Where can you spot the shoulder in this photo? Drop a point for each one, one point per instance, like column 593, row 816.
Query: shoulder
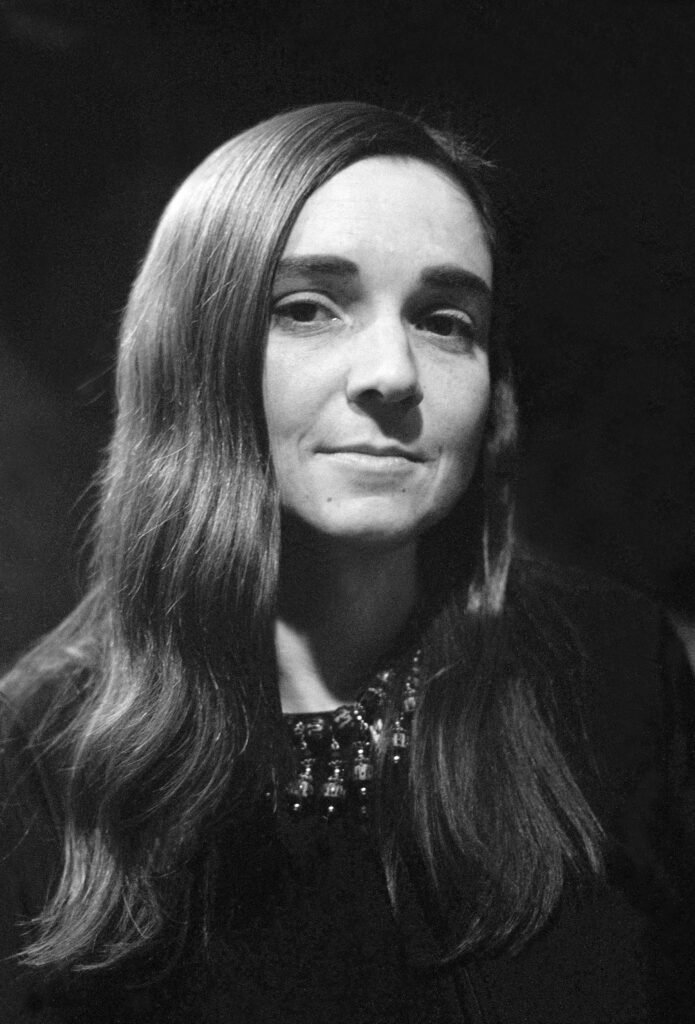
column 611, row 641
column 593, row 604
column 624, row 714
column 622, row 685
column 629, row 684
column 612, row 631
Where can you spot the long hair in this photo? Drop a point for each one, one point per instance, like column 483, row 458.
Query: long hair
column 168, row 703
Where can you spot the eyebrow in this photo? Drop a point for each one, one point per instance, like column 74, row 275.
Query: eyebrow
column 451, row 276
column 448, row 275
column 332, row 266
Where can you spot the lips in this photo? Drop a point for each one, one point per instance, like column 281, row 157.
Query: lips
column 376, row 451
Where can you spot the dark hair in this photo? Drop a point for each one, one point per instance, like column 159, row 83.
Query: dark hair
column 168, row 681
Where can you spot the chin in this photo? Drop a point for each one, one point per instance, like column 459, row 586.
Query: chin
column 375, row 524
column 386, row 532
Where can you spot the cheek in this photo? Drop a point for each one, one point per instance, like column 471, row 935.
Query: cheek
column 467, row 417
column 464, row 427
column 294, row 394
column 279, row 405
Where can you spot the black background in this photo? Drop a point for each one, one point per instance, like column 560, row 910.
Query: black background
column 590, row 108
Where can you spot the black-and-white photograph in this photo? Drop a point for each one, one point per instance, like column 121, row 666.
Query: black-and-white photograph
column 347, row 512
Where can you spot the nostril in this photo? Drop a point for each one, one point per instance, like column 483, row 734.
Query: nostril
column 403, row 398
column 401, row 419
column 412, row 399
column 399, row 400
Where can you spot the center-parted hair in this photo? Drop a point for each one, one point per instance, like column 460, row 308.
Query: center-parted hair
column 166, row 705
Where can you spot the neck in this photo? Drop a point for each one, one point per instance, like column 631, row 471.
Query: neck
column 340, row 610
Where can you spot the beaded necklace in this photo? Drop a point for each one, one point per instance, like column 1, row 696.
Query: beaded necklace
column 335, row 752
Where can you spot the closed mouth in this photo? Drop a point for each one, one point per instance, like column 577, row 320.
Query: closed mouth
column 388, row 452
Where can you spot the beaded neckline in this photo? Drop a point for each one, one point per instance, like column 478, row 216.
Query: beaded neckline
column 335, row 751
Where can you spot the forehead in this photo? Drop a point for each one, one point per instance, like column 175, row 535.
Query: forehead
column 393, row 206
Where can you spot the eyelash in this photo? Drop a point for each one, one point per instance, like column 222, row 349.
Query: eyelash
column 280, row 314
column 451, row 316
column 282, row 310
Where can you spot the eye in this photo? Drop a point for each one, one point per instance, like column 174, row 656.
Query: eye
column 302, row 313
column 451, row 324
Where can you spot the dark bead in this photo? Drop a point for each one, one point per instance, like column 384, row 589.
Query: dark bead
column 372, row 700
column 363, row 726
column 346, row 725
column 362, row 770
column 298, row 808
column 317, row 733
column 333, row 790
column 376, row 729
column 336, row 771
column 301, row 789
column 331, row 811
column 363, row 792
column 400, row 739
column 333, row 799
column 361, row 800
column 409, row 703
column 306, row 767
column 297, row 729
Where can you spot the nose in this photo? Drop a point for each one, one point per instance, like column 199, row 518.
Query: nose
column 383, row 368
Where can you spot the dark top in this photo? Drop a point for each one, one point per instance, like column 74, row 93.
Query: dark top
column 303, row 930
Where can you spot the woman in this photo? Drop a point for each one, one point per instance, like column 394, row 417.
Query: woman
column 318, row 744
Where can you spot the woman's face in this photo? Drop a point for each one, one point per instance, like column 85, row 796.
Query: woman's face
column 376, row 382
